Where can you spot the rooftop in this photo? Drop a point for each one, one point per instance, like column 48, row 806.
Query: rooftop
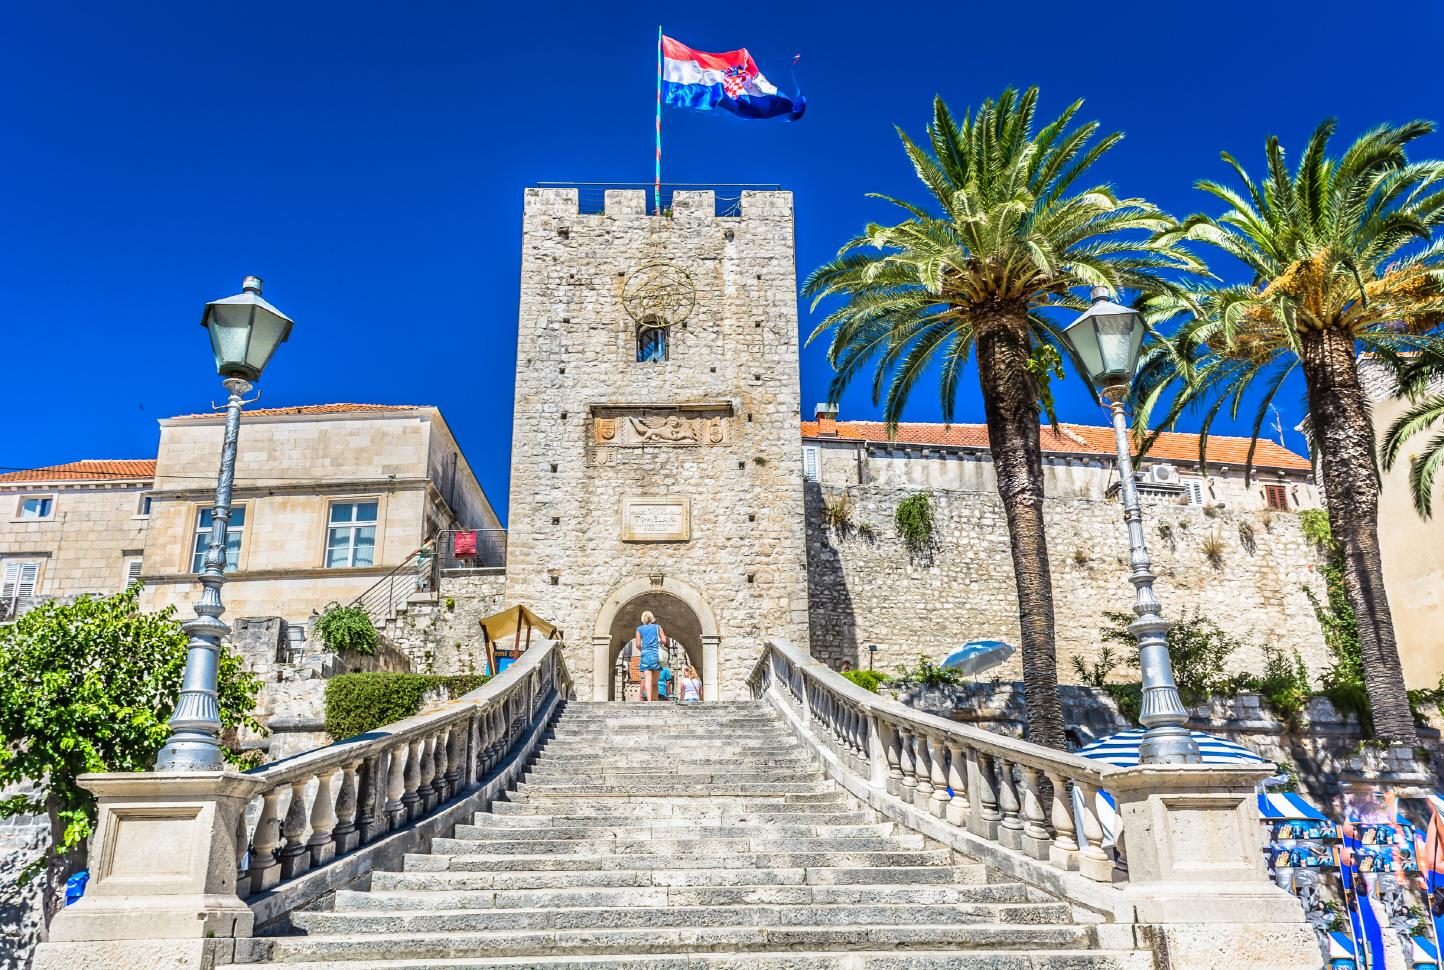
column 313, row 409
column 87, row 470
column 1072, row 439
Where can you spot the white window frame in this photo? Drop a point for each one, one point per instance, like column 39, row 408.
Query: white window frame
column 354, row 526
column 812, row 455
column 13, row 585
column 143, row 504
column 198, row 549
column 20, row 515
column 131, row 575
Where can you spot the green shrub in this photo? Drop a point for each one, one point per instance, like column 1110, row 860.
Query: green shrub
column 914, row 519
column 344, row 628
column 928, row 674
column 357, row 703
column 1284, row 684
column 1198, row 647
column 866, row 679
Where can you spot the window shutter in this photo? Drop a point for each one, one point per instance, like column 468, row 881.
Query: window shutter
column 1195, row 492
column 809, row 463
column 12, row 574
column 132, row 573
column 25, row 587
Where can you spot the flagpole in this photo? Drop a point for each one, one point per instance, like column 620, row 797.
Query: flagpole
column 657, row 184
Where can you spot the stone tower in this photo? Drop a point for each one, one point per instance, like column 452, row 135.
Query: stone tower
column 656, row 462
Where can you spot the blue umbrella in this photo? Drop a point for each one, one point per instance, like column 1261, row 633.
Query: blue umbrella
column 976, row 656
column 1121, row 749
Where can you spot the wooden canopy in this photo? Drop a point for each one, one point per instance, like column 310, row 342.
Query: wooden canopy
column 513, row 622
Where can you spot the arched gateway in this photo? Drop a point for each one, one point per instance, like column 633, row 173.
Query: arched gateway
column 681, row 611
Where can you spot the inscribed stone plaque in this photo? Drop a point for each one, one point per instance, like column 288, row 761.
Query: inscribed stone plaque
column 656, row 519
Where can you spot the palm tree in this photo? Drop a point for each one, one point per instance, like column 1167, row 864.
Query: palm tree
column 1421, row 381
column 1342, row 260
column 1003, row 234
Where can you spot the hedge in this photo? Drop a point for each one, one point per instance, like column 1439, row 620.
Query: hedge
column 866, row 679
column 357, row 703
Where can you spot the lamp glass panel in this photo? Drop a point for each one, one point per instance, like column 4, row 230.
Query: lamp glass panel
column 266, row 336
column 1084, row 341
column 1116, row 344
column 230, row 328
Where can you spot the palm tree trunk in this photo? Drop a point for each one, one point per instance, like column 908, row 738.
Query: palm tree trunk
column 1344, row 437
column 1011, row 404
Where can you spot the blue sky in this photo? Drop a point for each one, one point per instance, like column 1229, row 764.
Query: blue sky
column 368, row 160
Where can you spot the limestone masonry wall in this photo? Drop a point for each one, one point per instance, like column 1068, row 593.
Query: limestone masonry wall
column 865, row 590
column 712, row 429
column 443, row 637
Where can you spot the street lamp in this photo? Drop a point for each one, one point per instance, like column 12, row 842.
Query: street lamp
column 1106, row 339
column 245, row 331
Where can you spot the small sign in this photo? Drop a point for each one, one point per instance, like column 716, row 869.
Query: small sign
column 656, row 518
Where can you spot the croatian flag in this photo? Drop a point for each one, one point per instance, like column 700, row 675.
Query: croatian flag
column 731, row 82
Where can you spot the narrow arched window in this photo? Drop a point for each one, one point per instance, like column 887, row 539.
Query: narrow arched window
column 651, row 343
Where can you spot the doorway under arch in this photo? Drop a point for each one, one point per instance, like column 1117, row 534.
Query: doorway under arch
column 680, row 610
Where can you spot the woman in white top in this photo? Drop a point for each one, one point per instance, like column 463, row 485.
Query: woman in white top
column 690, row 687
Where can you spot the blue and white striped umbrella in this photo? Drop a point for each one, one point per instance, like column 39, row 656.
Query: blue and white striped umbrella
column 1287, row 806
column 1121, row 749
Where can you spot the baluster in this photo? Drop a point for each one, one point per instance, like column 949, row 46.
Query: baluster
column 922, row 795
column 440, row 783
column 398, row 809
column 1010, row 829
column 1093, row 860
column 344, row 834
column 456, row 758
column 937, row 754
column 957, row 810
column 1036, row 840
column 857, row 734
column 243, row 847
column 986, row 815
column 323, row 822
column 265, row 870
column 295, row 857
column 1064, row 852
column 418, row 778
column 905, row 762
column 369, row 822
column 894, row 758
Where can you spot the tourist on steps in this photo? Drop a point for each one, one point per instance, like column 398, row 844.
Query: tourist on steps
column 649, row 641
column 691, row 686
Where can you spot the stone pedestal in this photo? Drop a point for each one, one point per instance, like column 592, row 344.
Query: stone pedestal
column 162, row 892
column 1198, row 885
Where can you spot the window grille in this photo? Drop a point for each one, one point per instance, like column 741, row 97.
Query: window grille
column 651, row 345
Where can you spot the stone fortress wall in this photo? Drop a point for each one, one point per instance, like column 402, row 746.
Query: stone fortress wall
column 698, row 453
column 868, row 589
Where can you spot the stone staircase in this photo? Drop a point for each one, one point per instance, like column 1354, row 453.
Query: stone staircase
column 651, row 836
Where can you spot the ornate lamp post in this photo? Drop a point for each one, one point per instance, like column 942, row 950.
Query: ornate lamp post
column 1106, row 339
column 245, row 331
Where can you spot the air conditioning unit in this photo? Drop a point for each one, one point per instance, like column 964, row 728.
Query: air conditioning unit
column 1162, row 475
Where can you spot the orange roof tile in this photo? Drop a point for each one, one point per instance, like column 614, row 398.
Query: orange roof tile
column 88, row 470
column 1074, row 439
column 316, row 409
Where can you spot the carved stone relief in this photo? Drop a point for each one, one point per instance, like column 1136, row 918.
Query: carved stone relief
column 668, row 427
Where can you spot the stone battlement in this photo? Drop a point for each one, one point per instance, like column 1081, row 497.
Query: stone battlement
column 688, row 206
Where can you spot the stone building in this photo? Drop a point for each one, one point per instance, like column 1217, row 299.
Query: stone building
column 655, row 463
column 329, row 498
column 1412, row 548
column 71, row 529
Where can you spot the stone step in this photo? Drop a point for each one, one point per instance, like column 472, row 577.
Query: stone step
column 709, row 759
column 447, row 880
column 470, row 840
column 352, row 922
column 666, row 774
column 701, row 818
column 656, row 896
column 485, row 827
column 472, row 861
column 882, row 959
column 572, row 789
column 412, row 945
column 656, row 808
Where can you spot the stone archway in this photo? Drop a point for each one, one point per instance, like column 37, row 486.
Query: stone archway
column 679, row 607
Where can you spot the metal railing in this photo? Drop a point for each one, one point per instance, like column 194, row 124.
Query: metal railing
column 416, row 574
column 591, row 196
column 321, row 805
column 479, row 549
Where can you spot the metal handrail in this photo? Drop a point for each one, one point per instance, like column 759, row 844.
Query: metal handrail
column 416, row 573
column 490, row 549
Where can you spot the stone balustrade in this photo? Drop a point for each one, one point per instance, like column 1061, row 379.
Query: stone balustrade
column 1191, row 883
column 186, row 865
